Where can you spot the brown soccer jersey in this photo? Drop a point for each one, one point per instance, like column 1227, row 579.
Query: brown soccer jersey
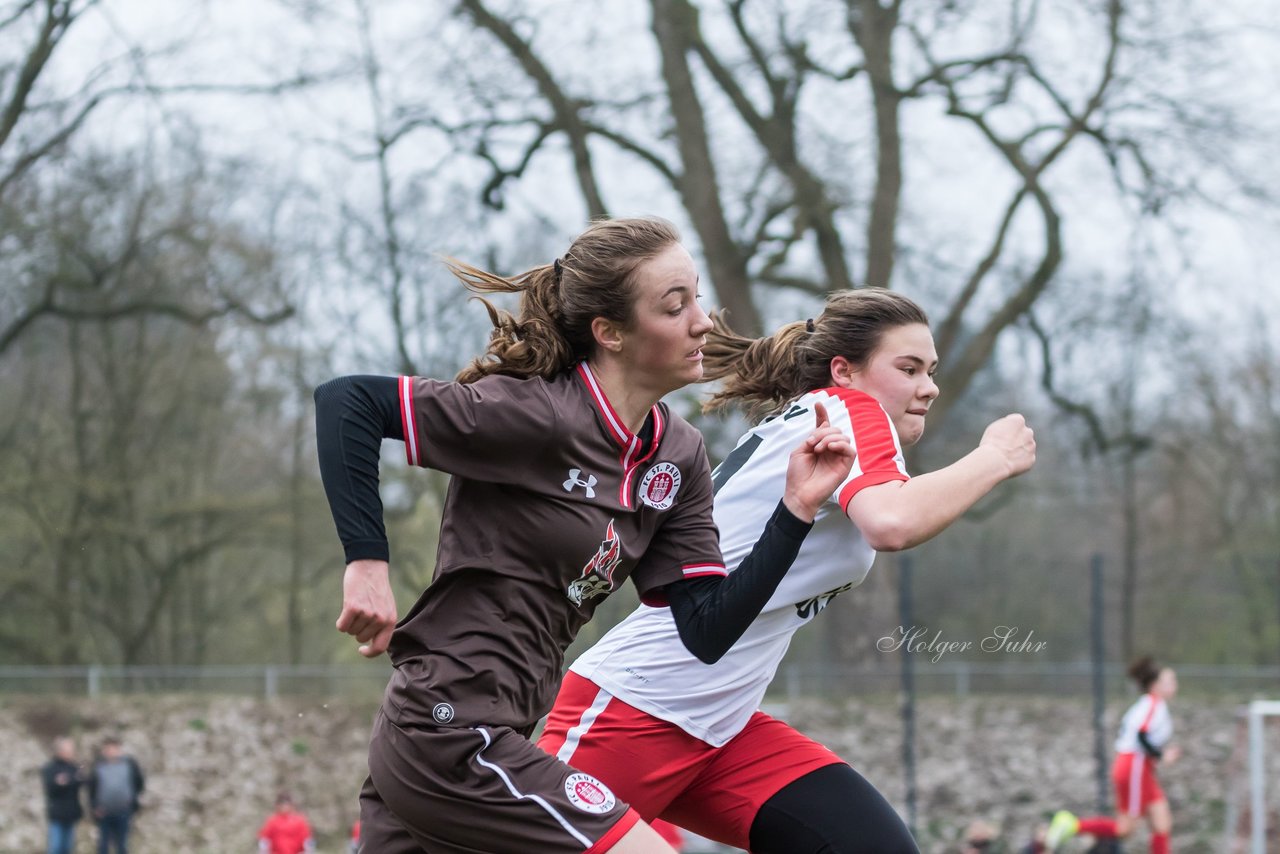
column 552, row 506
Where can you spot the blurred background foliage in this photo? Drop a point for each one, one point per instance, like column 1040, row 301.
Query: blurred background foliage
column 207, row 210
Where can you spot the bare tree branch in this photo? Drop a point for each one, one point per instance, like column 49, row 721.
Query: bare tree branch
column 138, row 308
column 18, row 11
column 963, row 67
column 762, row 235
column 960, row 369
column 1101, row 441
column 57, row 19
column 649, row 156
column 798, row 283
column 776, row 134
column 949, row 328
column 390, row 236
column 492, row 191
column 567, row 112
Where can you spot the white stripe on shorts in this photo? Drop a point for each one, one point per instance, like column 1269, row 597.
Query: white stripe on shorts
column 537, row 799
column 582, row 727
column 1135, row 784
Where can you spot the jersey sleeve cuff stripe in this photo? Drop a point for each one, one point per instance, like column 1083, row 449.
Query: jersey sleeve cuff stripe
column 407, row 423
column 696, row 570
column 871, row 478
column 629, row 820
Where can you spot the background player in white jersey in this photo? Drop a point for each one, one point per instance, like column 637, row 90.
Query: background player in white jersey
column 569, row 476
column 1146, row 731
column 684, row 740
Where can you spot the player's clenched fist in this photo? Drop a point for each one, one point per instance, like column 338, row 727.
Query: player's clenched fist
column 1014, row 440
column 368, row 606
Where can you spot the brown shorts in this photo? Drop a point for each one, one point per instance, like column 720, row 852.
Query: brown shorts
column 480, row 790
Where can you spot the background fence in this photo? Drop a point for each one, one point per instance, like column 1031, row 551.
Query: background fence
column 957, row 678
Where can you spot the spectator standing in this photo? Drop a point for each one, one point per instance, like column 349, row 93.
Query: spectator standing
column 62, row 777
column 115, row 785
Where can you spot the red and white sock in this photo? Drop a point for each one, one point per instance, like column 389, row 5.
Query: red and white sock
column 1103, row 828
column 1159, row 843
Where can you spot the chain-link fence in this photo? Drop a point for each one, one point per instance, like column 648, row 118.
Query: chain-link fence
column 956, row 678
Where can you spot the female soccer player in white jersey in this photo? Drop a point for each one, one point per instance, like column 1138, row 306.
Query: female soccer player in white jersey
column 569, row 475
column 683, row 740
column 1145, row 732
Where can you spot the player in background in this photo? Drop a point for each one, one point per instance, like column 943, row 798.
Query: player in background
column 1146, row 731
column 684, row 740
column 286, row 831
column 569, row 475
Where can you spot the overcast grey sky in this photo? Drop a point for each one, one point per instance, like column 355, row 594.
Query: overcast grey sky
column 1232, row 245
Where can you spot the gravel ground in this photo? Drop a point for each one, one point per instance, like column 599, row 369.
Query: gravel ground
column 214, row 765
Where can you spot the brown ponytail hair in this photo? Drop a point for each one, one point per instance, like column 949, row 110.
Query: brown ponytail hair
column 1145, row 672
column 764, row 374
column 552, row 329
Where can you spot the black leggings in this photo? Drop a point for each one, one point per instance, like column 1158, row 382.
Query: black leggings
column 830, row 811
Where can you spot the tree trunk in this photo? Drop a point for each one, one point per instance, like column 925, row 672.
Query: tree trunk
column 673, row 24
column 874, row 33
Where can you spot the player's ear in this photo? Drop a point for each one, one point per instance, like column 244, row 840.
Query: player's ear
column 607, row 334
column 842, row 371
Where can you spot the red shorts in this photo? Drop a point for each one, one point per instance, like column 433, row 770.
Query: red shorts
column 663, row 772
column 1134, row 775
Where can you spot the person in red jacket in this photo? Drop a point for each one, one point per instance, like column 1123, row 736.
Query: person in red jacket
column 286, row 831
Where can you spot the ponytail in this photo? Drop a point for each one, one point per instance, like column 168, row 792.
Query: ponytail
column 559, row 301
column 764, row 374
column 760, row 374
column 529, row 346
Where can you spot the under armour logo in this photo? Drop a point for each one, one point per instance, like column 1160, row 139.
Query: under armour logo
column 575, row 480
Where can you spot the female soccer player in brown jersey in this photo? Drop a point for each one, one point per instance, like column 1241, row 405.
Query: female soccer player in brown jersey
column 569, row 476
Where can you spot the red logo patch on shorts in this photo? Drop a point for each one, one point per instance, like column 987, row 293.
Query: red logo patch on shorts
column 589, row 794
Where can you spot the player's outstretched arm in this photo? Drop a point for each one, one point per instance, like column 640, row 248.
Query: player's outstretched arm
column 900, row 514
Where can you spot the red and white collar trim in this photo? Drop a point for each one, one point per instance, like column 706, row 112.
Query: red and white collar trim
column 629, row 442
column 617, row 429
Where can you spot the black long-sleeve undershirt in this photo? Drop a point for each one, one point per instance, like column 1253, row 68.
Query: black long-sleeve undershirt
column 711, row 613
column 1150, row 749
column 355, row 413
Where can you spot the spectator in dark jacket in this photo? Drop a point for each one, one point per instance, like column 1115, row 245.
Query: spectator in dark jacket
column 62, row 777
column 114, row 787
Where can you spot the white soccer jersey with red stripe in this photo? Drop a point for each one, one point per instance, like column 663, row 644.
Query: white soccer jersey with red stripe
column 1150, row 715
column 642, row 660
